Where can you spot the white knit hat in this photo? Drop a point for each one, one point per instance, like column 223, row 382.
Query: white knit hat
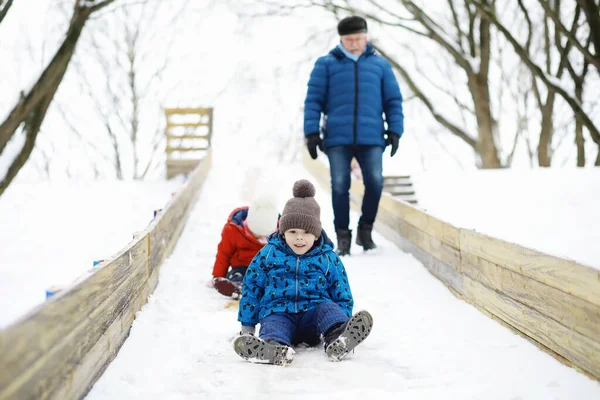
column 262, row 217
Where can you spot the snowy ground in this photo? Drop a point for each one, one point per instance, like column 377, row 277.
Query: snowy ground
column 425, row 343
column 51, row 233
column 552, row 210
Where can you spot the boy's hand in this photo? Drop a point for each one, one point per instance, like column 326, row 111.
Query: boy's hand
column 247, row 330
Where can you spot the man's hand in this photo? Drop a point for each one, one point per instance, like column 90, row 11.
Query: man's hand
column 247, row 330
column 312, row 142
column 392, row 139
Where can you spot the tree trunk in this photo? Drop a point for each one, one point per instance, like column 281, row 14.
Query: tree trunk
column 480, row 91
column 579, row 140
column 486, row 146
column 4, row 9
column 545, row 144
column 592, row 14
column 31, row 108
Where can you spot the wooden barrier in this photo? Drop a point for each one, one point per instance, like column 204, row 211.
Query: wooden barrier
column 551, row 301
column 62, row 347
column 189, row 133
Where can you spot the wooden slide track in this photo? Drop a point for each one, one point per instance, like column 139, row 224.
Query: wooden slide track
column 551, row 301
column 62, row 347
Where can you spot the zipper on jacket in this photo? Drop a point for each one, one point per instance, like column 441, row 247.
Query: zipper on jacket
column 296, row 302
column 355, row 99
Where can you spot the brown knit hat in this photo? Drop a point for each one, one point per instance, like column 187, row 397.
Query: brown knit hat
column 302, row 212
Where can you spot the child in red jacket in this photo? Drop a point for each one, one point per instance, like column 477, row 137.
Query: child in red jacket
column 244, row 234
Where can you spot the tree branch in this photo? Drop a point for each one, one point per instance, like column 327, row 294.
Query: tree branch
column 592, row 59
column 4, row 8
column 539, row 73
column 413, row 86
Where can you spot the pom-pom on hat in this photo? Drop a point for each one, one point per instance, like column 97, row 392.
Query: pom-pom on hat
column 262, row 217
column 350, row 25
column 302, row 211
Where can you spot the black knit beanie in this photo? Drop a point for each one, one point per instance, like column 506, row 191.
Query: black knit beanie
column 302, row 211
column 350, row 25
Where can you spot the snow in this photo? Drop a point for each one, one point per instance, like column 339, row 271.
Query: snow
column 425, row 343
column 551, row 210
column 51, row 233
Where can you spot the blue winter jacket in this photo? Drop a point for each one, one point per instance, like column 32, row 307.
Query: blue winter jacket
column 353, row 96
column 278, row 280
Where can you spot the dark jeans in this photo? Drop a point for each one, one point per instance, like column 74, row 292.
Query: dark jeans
column 305, row 327
column 370, row 159
column 236, row 274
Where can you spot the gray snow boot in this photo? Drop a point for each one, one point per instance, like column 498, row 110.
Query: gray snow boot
column 363, row 237
column 342, row 339
column 257, row 350
column 344, row 240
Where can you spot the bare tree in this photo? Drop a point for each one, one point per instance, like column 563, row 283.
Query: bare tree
column 27, row 115
column 125, row 84
column 467, row 43
column 552, row 85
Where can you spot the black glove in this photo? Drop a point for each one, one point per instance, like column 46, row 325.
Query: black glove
column 312, row 142
column 392, row 139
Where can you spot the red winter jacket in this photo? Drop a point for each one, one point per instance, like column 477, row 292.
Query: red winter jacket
column 238, row 246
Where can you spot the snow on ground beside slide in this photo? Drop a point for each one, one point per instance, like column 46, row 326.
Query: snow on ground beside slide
column 51, row 233
column 425, row 343
column 551, row 210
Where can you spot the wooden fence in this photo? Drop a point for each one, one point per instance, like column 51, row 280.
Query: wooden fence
column 63, row 346
column 551, row 301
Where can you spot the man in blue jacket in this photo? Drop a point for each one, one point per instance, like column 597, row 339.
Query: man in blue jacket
column 352, row 88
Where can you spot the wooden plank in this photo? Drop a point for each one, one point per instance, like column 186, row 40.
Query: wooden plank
column 183, row 163
column 175, row 149
column 41, row 351
column 575, row 347
column 565, row 275
column 450, row 276
column 399, row 191
column 186, row 124
column 166, row 228
column 570, row 311
column 188, row 110
column 193, row 137
column 437, row 228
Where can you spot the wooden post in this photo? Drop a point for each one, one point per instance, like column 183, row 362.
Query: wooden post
column 189, row 134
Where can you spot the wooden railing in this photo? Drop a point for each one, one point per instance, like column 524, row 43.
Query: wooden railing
column 63, row 346
column 551, row 301
column 189, row 134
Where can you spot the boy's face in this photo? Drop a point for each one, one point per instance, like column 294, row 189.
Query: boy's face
column 299, row 240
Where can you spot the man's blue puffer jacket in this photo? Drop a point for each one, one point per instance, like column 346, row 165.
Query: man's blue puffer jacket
column 353, row 96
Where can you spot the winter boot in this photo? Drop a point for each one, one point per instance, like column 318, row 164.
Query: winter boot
column 228, row 288
column 344, row 240
column 342, row 339
column 363, row 237
column 257, row 350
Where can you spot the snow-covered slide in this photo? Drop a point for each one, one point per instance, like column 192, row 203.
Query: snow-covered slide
column 60, row 348
column 553, row 302
column 425, row 343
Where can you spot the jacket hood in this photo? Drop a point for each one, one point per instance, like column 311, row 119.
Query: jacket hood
column 238, row 216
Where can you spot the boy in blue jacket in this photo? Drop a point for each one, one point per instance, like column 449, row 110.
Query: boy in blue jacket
column 296, row 287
